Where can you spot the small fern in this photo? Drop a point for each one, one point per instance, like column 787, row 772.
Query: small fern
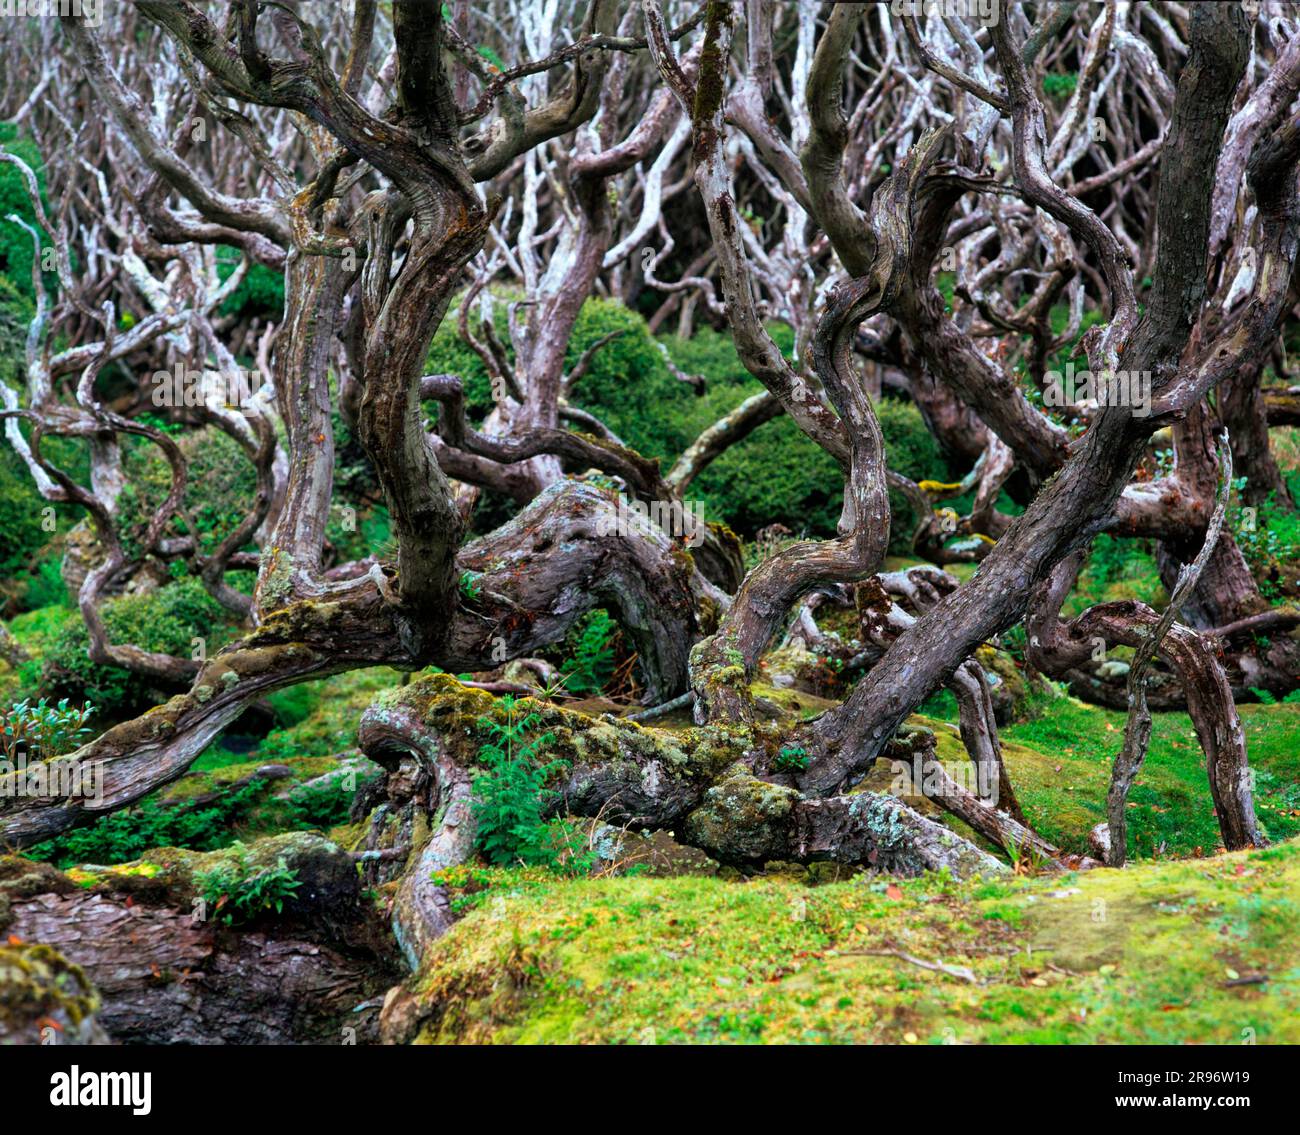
column 510, row 793
column 236, row 891
column 592, row 663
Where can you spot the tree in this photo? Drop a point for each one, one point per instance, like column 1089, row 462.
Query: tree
column 917, row 236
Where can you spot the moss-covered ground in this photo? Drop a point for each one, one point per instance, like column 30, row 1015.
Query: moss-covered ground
column 1195, row 951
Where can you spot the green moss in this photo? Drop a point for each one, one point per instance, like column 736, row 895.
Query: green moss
column 1140, row 956
column 320, row 717
column 166, row 620
column 1060, row 762
column 745, row 815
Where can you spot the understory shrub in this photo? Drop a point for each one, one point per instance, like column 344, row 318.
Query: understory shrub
column 770, row 477
column 591, row 663
column 166, row 620
column 126, row 835
column 16, row 248
column 42, row 731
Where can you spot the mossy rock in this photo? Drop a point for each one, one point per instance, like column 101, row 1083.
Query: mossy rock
column 328, row 895
column 742, row 818
column 44, row 998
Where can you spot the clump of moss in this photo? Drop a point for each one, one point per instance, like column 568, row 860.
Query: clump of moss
column 743, row 817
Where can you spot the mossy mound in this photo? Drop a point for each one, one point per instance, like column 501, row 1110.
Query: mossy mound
column 328, row 893
column 1196, row 951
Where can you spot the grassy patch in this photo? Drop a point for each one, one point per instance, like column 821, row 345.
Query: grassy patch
column 1060, row 763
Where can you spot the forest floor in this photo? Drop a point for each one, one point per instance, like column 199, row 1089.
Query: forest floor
column 1194, row 951
column 1188, row 944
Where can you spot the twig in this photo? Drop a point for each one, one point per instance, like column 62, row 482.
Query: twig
column 938, row 967
column 679, row 702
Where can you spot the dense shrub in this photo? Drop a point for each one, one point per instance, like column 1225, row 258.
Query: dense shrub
column 26, row 580
column 775, row 475
column 910, row 449
column 219, row 491
column 165, row 620
column 222, row 485
column 16, row 312
column 21, row 534
column 627, row 384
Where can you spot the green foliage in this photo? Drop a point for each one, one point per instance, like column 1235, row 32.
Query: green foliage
column 1111, row 558
column 237, row 891
column 222, row 485
column 776, row 475
column 22, row 510
column 16, row 310
column 1060, row 86
column 1269, row 539
column 16, row 249
column 126, row 835
column 792, row 758
column 910, row 449
column 220, row 490
column 319, row 719
column 569, row 849
column 21, row 534
column 294, row 705
column 510, row 792
column 368, row 532
column 260, row 292
column 322, row 804
column 1118, row 567
column 44, row 587
column 626, row 385
column 591, row 664
column 470, row 584
column 42, row 731
column 165, row 620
